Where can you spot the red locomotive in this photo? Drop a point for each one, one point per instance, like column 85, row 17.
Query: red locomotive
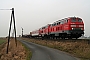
column 71, row 27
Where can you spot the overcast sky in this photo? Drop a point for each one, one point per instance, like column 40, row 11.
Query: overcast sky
column 33, row 14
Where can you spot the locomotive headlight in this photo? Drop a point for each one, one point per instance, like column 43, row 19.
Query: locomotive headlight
column 81, row 28
column 73, row 25
column 80, row 25
column 72, row 28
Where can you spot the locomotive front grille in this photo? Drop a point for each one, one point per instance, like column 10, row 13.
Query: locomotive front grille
column 77, row 31
column 76, row 28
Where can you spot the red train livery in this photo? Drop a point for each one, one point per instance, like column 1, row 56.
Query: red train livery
column 67, row 28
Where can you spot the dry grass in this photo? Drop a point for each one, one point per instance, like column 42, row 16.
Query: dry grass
column 2, row 40
column 14, row 53
column 80, row 49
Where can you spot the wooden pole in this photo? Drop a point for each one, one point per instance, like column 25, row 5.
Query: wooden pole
column 14, row 25
column 12, row 16
column 9, row 35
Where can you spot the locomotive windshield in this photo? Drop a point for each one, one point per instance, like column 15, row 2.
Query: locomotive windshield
column 79, row 20
column 76, row 20
column 73, row 20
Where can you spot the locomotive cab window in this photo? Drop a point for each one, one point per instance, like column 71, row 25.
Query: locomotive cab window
column 73, row 20
column 79, row 20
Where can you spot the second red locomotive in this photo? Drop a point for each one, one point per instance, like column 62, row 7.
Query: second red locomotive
column 67, row 28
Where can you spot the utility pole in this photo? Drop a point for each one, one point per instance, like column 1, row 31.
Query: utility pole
column 22, row 31
column 12, row 16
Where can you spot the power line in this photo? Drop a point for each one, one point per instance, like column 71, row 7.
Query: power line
column 5, row 9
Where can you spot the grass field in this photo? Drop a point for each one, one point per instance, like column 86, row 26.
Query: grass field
column 2, row 41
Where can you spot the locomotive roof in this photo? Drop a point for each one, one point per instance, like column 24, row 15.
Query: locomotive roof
column 60, row 20
column 65, row 19
column 74, row 17
column 45, row 26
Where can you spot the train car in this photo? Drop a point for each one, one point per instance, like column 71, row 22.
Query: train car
column 40, row 33
column 71, row 27
column 44, row 31
column 34, row 33
column 26, row 35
